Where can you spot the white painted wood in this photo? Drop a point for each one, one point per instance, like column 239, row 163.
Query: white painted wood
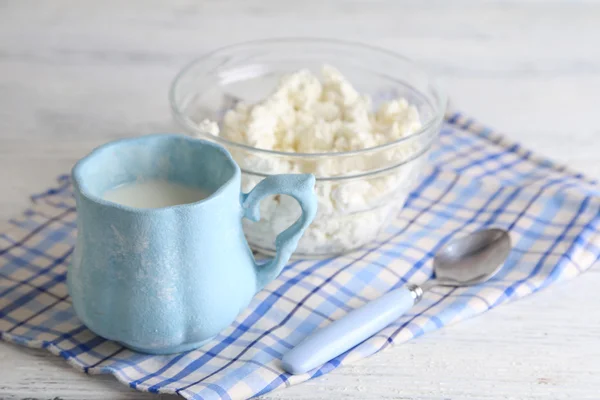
column 76, row 74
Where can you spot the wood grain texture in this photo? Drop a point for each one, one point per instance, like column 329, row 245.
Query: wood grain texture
column 75, row 74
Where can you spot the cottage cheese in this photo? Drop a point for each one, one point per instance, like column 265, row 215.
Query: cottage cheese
column 308, row 115
column 305, row 115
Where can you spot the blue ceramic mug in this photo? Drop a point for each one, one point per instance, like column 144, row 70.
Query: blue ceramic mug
column 165, row 280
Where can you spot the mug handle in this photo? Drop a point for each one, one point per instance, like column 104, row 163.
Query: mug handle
column 301, row 188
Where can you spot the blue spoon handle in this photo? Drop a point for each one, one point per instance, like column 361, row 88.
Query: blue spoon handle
column 352, row 329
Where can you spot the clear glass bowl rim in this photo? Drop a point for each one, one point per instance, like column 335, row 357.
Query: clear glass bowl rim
column 438, row 114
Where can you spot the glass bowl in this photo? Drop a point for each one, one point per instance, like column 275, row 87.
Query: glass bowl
column 355, row 206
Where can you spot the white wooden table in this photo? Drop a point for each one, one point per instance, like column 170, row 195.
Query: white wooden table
column 75, row 74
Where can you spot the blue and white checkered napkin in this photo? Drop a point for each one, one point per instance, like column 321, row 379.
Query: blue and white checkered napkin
column 479, row 180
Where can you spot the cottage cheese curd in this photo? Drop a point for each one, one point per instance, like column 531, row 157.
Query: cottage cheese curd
column 306, row 114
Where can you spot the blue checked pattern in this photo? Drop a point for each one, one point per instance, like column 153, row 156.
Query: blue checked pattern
column 479, row 179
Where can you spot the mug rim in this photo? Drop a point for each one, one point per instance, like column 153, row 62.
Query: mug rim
column 81, row 186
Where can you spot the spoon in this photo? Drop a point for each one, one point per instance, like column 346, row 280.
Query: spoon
column 466, row 261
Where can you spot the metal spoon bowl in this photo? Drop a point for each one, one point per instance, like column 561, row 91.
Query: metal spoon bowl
column 471, row 259
column 466, row 261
